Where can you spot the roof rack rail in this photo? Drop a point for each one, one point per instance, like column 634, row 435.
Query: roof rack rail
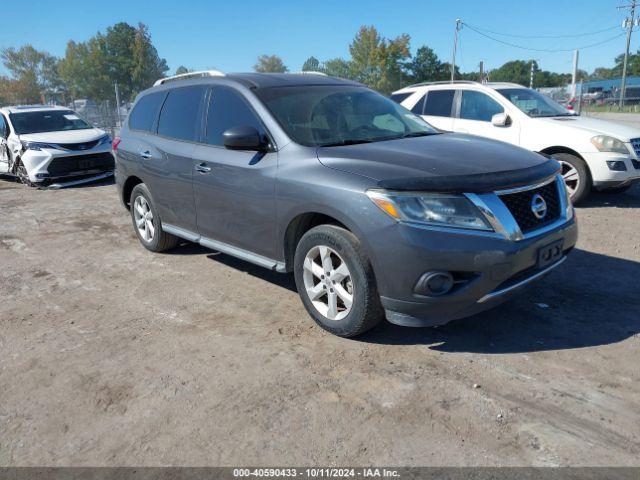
column 184, row 76
column 442, row 82
column 311, row 72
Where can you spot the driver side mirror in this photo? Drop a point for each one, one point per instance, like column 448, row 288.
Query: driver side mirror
column 501, row 120
column 244, row 138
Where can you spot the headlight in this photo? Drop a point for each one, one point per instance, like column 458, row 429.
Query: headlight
column 39, row 146
column 103, row 140
column 444, row 210
column 604, row 143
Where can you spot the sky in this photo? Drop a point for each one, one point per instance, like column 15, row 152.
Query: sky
column 230, row 35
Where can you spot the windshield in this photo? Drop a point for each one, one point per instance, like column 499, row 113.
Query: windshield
column 47, row 121
column 534, row 103
column 340, row 115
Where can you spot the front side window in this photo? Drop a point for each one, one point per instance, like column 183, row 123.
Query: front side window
column 439, row 103
column 329, row 115
column 145, row 111
column 47, row 121
column 227, row 109
column 4, row 131
column 180, row 115
column 478, row 106
column 534, row 103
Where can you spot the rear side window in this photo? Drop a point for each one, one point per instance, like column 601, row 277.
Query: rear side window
column 439, row 103
column 228, row 109
column 478, row 106
column 4, row 131
column 180, row 116
column 144, row 114
column 399, row 97
column 417, row 108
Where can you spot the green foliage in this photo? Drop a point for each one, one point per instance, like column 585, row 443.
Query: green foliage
column 338, row 67
column 311, row 64
column 124, row 54
column 427, row 67
column 33, row 75
column 270, row 64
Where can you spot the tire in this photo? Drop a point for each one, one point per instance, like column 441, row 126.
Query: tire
column 21, row 173
column 341, row 247
column 579, row 190
column 615, row 190
column 155, row 239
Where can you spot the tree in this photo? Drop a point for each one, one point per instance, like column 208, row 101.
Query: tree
column 270, row 64
column 181, row 70
column 338, row 67
column 311, row 64
column 124, row 54
column 427, row 67
column 377, row 61
column 33, row 75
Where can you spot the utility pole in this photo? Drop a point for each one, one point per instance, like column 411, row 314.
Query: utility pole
column 574, row 76
column 481, row 71
column 455, row 48
column 629, row 24
column 531, row 75
column 118, row 121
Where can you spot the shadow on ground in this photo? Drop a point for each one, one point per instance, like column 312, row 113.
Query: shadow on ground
column 591, row 300
column 628, row 199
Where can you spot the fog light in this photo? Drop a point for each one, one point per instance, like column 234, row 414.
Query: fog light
column 434, row 284
column 617, row 165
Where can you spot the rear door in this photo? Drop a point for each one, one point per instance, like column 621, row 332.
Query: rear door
column 437, row 108
column 234, row 190
column 475, row 110
column 166, row 157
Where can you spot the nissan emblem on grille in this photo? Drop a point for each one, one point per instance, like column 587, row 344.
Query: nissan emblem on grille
column 538, row 206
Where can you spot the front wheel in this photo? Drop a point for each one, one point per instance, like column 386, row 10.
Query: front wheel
column 576, row 176
column 335, row 281
column 147, row 223
column 21, row 173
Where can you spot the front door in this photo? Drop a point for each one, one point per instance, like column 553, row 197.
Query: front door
column 234, row 190
column 474, row 116
column 4, row 148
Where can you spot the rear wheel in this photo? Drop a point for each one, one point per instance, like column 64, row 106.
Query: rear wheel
column 335, row 281
column 147, row 223
column 576, row 176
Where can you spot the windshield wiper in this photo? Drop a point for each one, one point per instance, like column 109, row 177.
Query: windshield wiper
column 347, row 142
column 418, row 134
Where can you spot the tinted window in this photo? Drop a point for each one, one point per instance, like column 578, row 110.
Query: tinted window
column 3, row 128
column 399, row 97
column 227, row 109
column 180, row 116
column 439, row 103
column 478, row 106
column 145, row 112
column 417, row 108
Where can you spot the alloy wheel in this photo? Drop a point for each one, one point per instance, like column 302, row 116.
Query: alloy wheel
column 571, row 177
column 328, row 283
column 144, row 218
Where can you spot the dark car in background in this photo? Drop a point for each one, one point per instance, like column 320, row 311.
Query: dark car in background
column 376, row 213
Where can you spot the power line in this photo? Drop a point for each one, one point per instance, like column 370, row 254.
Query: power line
column 543, row 49
column 543, row 36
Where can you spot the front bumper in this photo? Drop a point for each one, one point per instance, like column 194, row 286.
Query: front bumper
column 52, row 165
column 604, row 177
column 490, row 267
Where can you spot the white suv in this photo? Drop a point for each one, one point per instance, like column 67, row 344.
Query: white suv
column 593, row 153
column 43, row 144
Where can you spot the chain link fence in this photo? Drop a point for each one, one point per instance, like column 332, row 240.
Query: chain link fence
column 103, row 115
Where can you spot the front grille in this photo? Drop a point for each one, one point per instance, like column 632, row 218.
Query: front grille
column 635, row 143
column 79, row 146
column 102, row 162
column 519, row 204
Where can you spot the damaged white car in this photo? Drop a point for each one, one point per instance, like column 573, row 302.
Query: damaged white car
column 44, row 145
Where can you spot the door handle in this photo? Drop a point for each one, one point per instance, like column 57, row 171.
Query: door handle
column 203, row 168
column 145, row 154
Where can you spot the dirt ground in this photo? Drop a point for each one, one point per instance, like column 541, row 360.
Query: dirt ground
column 112, row 355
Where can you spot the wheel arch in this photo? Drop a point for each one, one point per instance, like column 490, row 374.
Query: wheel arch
column 560, row 149
column 128, row 187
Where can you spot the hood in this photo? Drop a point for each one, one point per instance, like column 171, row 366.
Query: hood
column 443, row 162
column 594, row 126
column 65, row 136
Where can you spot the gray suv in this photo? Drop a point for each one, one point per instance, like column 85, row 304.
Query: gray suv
column 375, row 212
